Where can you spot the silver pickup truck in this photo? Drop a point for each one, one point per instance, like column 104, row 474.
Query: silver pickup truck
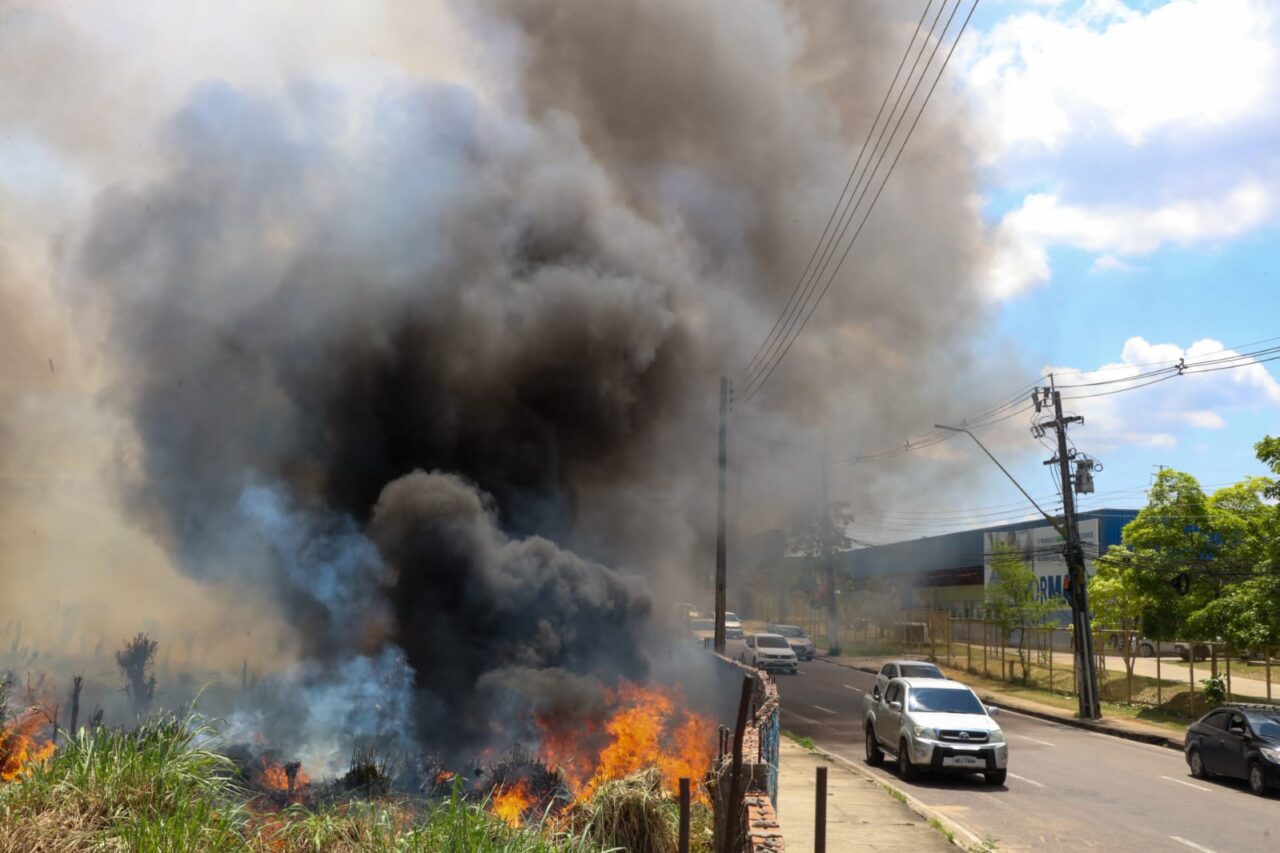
column 933, row 724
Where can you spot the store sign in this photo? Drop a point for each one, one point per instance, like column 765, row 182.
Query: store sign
column 1044, row 550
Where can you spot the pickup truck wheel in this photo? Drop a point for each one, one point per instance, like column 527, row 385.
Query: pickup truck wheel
column 907, row 771
column 995, row 777
column 875, row 755
column 1196, row 763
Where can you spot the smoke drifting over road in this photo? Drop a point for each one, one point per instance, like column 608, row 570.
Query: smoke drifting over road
column 432, row 364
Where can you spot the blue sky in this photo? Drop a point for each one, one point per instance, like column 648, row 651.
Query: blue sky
column 1130, row 179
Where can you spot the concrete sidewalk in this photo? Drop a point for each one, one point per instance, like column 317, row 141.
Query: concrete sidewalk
column 1117, row 726
column 861, row 815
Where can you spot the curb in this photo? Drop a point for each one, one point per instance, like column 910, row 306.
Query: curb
column 925, row 811
column 1167, row 741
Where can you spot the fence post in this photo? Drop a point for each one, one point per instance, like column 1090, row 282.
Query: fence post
column 1227, row 658
column 684, row 815
column 949, row 631
column 968, row 645
column 1159, row 683
column 1191, row 674
column 820, row 814
column 1266, row 662
column 735, row 771
column 986, row 629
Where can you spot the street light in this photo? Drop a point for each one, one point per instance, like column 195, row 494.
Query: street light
column 1049, row 518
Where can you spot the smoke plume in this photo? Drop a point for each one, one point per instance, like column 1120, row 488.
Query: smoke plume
column 430, row 363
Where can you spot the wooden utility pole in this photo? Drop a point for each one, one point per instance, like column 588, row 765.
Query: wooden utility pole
column 721, row 555
column 828, row 564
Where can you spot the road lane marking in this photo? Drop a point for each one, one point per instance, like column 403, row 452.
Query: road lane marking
column 1188, row 784
column 828, row 710
column 1032, row 739
column 806, row 719
column 1191, row 844
column 854, row 689
column 1028, row 781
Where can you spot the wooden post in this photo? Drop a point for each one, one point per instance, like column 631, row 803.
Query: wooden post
column 684, row 815
column 1191, row 670
column 735, row 770
column 1266, row 662
column 1049, row 642
column 986, row 631
column 76, row 684
column 820, row 814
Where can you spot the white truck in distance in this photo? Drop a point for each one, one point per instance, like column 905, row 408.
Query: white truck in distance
column 937, row 725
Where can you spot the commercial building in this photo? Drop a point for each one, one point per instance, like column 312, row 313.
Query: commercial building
column 950, row 572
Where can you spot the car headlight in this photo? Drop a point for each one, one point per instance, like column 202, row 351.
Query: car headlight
column 1271, row 753
column 995, row 736
column 925, row 732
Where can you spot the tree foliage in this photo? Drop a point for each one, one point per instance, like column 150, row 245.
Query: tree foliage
column 1013, row 600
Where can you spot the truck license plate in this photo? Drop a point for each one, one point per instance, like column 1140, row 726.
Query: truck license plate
column 962, row 761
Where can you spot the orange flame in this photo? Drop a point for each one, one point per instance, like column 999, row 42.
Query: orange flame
column 445, row 776
column 274, row 777
column 511, row 803
column 20, row 747
column 647, row 727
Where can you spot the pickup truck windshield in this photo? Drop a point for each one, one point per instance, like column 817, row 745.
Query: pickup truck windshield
column 943, row 701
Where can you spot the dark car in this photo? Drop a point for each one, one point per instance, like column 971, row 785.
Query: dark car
column 1237, row 740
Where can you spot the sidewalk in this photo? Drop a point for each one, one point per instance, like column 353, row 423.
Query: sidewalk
column 860, row 814
column 1116, row 726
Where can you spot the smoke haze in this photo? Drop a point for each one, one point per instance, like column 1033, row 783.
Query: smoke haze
column 404, row 339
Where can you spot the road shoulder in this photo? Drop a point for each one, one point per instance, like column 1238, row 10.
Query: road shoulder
column 861, row 813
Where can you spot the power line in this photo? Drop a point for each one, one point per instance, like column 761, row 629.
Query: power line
column 768, row 341
column 762, row 375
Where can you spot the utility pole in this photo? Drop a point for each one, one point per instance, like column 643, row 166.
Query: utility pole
column 1086, row 663
column 828, row 564
column 721, row 555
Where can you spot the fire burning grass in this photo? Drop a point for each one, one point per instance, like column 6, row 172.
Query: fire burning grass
column 172, row 784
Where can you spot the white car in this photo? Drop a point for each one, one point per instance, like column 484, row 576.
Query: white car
column 937, row 725
column 770, row 652
column 904, row 669
column 732, row 626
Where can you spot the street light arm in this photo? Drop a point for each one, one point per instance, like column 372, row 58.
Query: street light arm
column 1049, row 518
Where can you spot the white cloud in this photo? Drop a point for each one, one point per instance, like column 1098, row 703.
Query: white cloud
column 1192, row 401
column 1042, row 76
column 1024, row 236
column 1109, row 263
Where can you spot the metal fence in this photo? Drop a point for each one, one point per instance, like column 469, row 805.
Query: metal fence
column 1132, row 669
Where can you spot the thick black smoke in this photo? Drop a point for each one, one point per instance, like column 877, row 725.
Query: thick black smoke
column 526, row 291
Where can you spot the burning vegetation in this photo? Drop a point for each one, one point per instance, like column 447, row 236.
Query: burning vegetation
column 23, row 746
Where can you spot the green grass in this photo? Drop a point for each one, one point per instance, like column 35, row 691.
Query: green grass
column 166, row 787
column 946, row 833
column 806, row 742
column 894, row 792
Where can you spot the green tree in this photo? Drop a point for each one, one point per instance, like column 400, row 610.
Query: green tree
column 1118, row 600
column 1013, row 600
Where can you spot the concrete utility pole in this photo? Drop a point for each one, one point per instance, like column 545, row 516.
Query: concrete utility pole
column 1086, row 663
column 828, row 564
column 721, row 556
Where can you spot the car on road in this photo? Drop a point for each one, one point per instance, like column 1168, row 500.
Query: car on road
column 702, row 629
column 732, row 626
column 932, row 724
column 770, row 652
column 904, row 669
column 1238, row 740
column 799, row 640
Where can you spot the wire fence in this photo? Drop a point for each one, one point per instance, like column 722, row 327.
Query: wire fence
column 1182, row 676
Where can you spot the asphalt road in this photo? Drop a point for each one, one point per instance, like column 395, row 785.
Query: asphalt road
column 1067, row 790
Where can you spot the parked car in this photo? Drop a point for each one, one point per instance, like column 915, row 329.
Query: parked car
column 1147, row 648
column 799, row 640
column 904, row 669
column 1237, row 740
column 1184, row 651
column 685, row 611
column 770, row 652
column 937, row 725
